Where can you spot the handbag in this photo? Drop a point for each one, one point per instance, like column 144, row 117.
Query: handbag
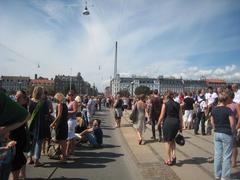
column 179, row 139
column 54, row 151
column 238, row 138
column 134, row 114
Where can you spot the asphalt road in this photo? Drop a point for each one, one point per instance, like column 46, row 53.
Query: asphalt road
column 113, row 161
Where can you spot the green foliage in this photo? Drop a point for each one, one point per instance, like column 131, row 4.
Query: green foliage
column 124, row 92
column 142, row 90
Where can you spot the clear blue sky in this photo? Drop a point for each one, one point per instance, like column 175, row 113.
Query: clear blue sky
column 171, row 38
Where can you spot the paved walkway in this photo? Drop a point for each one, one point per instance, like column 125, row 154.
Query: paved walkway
column 192, row 158
column 113, row 161
column 122, row 157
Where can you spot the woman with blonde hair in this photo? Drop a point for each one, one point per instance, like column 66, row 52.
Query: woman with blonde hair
column 38, row 109
column 171, row 117
column 60, row 124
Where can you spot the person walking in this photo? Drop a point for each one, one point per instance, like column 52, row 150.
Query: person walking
column 155, row 110
column 201, row 109
column 60, row 124
column 188, row 103
column 223, row 124
column 171, row 117
column 118, row 107
column 141, row 119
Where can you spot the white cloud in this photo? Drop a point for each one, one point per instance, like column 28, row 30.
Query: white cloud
column 56, row 35
column 229, row 72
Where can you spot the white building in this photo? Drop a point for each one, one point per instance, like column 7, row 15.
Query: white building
column 14, row 83
column 160, row 83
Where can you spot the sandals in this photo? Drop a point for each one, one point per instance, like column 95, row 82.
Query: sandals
column 38, row 164
column 30, row 162
column 140, row 141
column 168, row 162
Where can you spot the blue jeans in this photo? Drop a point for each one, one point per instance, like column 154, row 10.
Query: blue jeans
column 36, row 149
column 92, row 139
column 222, row 155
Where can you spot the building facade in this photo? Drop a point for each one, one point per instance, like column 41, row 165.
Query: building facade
column 161, row 84
column 43, row 82
column 215, row 83
column 131, row 83
column 64, row 83
column 14, row 83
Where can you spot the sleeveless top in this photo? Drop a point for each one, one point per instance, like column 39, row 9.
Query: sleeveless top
column 64, row 115
column 172, row 109
column 233, row 107
column 70, row 108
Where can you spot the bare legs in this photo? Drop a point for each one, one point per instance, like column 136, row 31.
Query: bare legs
column 118, row 123
column 234, row 156
column 140, row 138
column 70, row 147
column 171, row 152
column 63, row 150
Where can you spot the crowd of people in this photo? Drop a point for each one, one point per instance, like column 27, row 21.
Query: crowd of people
column 30, row 124
column 172, row 113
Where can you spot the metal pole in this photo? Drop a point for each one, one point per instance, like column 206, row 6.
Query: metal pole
column 132, row 88
column 71, row 80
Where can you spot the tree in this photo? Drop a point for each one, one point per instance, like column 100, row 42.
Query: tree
column 142, row 90
column 124, row 92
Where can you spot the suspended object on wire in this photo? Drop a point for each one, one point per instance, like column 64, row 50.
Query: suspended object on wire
column 86, row 11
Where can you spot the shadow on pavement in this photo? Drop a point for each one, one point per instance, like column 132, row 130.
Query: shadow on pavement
column 86, row 160
column 107, row 128
column 235, row 175
column 62, row 178
column 87, row 147
column 106, row 136
column 194, row 160
column 150, row 141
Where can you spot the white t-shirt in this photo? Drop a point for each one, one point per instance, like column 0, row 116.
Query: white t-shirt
column 176, row 99
column 210, row 98
column 237, row 97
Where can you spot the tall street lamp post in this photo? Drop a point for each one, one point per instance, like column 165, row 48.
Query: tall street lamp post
column 132, row 83
column 20, row 85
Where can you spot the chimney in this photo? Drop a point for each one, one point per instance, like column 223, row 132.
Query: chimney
column 35, row 76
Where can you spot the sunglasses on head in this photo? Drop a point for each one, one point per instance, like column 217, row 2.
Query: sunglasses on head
column 70, row 94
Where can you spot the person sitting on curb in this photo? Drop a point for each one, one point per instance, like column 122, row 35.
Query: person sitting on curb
column 94, row 134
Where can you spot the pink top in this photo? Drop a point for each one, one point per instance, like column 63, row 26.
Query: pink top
column 70, row 108
column 233, row 107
